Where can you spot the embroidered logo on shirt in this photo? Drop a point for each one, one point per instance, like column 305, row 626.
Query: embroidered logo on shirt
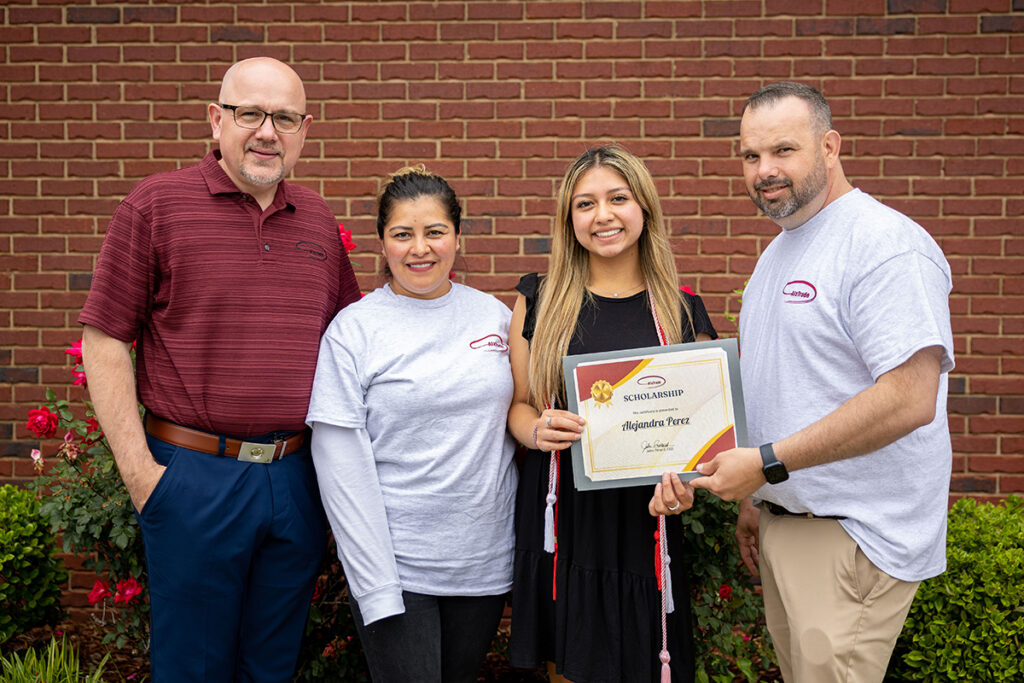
column 312, row 250
column 491, row 342
column 799, row 292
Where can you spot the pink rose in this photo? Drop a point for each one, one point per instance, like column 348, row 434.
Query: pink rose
column 42, row 422
column 37, row 460
column 686, row 288
column 127, row 591
column 79, row 378
column 100, row 591
column 70, row 449
column 346, row 237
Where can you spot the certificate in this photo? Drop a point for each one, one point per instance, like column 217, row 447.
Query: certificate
column 653, row 410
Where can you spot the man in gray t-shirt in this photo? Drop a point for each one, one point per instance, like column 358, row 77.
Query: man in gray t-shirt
column 846, row 348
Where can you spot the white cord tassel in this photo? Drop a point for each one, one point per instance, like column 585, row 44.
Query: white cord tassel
column 667, row 604
column 549, row 509
column 666, row 562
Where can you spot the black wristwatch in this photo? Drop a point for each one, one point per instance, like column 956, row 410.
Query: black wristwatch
column 774, row 471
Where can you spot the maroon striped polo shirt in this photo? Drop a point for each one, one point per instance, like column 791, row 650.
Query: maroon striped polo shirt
column 227, row 302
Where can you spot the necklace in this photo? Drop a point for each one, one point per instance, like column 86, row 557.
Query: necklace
column 615, row 295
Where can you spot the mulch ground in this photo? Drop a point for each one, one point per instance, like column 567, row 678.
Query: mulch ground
column 130, row 665
column 125, row 664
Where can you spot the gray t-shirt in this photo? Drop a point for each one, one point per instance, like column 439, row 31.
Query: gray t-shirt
column 430, row 382
column 832, row 305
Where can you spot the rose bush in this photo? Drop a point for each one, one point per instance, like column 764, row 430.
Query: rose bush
column 84, row 501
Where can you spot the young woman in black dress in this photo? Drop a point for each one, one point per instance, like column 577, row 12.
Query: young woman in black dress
column 586, row 598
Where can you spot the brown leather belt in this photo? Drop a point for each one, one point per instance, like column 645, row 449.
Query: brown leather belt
column 777, row 509
column 205, row 442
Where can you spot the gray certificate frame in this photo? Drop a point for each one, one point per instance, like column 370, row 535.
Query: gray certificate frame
column 731, row 347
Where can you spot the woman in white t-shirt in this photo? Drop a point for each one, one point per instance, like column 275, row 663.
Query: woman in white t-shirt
column 415, row 467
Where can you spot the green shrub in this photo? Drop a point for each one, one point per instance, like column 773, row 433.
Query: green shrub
column 57, row 664
column 31, row 577
column 968, row 623
column 730, row 637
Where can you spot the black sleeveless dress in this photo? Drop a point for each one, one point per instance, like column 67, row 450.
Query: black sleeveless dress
column 605, row 625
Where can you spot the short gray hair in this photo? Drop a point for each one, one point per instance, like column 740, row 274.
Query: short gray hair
column 821, row 115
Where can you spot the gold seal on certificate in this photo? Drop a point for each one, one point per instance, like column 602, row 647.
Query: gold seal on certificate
column 653, row 410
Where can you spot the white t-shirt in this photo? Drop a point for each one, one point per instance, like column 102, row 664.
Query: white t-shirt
column 832, row 305
column 430, row 383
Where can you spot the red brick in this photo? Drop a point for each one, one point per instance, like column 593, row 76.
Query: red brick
column 584, row 70
column 463, row 31
column 497, row 90
column 563, row 50
column 947, row 25
column 34, row 15
column 494, row 129
column 554, row 10
column 915, row 45
column 972, row 484
column 673, row 8
column 999, row 105
column 35, row 54
column 1012, row 444
column 595, row 9
column 491, row 51
column 853, row 46
column 1011, row 484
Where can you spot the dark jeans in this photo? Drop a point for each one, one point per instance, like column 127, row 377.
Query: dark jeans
column 233, row 550
column 438, row 638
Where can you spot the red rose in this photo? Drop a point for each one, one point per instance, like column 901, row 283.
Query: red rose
column 127, row 591
column 100, row 590
column 725, row 592
column 75, row 351
column 42, row 422
column 93, row 432
column 346, row 237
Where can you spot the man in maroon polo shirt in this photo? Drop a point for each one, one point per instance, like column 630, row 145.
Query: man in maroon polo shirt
column 226, row 276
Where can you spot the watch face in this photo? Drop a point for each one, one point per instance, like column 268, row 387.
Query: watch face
column 776, row 473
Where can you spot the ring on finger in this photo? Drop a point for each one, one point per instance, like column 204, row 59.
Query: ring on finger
column 549, row 422
column 674, row 507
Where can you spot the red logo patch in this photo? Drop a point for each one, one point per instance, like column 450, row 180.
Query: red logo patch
column 491, row 342
column 799, row 292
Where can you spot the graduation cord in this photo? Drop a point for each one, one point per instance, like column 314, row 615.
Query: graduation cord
column 551, row 512
column 662, row 561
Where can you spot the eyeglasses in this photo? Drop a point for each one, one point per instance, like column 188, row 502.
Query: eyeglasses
column 253, row 118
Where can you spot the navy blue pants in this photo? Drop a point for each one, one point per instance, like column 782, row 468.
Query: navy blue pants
column 233, row 549
column 438, row 639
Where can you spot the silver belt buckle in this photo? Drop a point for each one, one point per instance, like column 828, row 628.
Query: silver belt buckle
column 257, row 452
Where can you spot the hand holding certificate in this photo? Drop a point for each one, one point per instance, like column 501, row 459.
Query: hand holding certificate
column 653, row 410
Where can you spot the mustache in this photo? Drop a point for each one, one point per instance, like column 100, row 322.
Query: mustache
column 771, row 184
column 265, row 150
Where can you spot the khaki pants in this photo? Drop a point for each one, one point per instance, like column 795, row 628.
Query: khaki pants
column 833, row 615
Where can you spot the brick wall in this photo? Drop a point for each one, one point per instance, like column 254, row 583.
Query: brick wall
column 498, row 97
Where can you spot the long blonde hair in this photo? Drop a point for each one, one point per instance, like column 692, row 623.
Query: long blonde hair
column 564, row 289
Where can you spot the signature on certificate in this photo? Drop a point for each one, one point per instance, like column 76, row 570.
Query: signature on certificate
column 654, row 447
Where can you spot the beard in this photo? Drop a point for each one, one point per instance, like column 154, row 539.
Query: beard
column 269, row 179
column 251, row 171
column 798, row 197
